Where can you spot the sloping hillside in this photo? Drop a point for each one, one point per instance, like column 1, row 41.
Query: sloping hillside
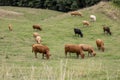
column 17, row 62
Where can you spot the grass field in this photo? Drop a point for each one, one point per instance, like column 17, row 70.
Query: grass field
column 17, row 62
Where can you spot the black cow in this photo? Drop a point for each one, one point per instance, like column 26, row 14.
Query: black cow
column 107, row 30
column 78, row 31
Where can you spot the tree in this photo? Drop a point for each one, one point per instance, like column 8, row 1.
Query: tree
column 74, row 6
column 117, row 2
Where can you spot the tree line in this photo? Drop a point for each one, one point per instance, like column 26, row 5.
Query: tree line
column 59, row 5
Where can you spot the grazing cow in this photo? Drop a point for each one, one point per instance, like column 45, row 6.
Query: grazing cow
column 100, row 44
column 38, row 39
column 78, row 31
column 93, row 18
column 87, row 23
column 36, row 26
column 38, row 48
column 106, row 30
column 35, row 34
column 10, row 27
column 88, row 48
column 73, row 48
column 76, row 13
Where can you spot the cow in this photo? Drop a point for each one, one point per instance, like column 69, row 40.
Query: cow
column 38, row 39
column 39, row 48
column 106, row 30
column 90, row 49
column 76, row 13
column 10, row 27
column 73, row 48
column 35, row 34
column 87, row 23
column 93, row 18
column 37, row 26
column 78, row 31
column 100, row 44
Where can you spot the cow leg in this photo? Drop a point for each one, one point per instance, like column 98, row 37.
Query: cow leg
column 104, row 31
column 35, row 55
column 98, row 47
column 77, row 55
column 66, row 54
column 88, row 54
column 42, row 55
column 75, row 34
column 70, row 54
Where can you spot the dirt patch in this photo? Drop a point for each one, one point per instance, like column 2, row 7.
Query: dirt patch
column 6, row 13
column 106, row 8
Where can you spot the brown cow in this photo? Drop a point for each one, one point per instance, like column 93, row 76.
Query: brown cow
column 39, row 48
column 76, row 13
column 88, row 48
column 100, row 44
column 10, row 27
column 37, row 26
column 87, row 23
column 73, row 48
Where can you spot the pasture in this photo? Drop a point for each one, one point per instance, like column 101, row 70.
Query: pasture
column 17, row 62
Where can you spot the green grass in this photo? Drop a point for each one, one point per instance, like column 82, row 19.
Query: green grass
column 17, row 61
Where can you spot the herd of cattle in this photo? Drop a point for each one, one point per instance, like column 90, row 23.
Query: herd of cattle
column 69, row 48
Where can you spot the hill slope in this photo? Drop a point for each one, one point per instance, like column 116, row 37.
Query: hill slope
column 17, row 61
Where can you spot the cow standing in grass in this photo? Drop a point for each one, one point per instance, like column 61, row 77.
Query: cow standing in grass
column 10, row 27
column 106, row 30
column 78, row 31
column 76, row 13
column 37, row 26
column 73, row 48
column 93, row 18
column 86, row 23
column 39, row 48
column 100, row 44
column 90, row 49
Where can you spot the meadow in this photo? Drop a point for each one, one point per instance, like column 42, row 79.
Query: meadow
column 17, row 62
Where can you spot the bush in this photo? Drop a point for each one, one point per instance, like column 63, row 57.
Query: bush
column 117, row 2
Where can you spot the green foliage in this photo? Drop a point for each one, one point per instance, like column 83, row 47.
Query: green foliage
column 91, row 2
column 117, row 2
column 60, row 5
column 74, row 6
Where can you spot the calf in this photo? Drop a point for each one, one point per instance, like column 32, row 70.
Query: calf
column 106, row 30
column 39, row 48
column 87, row 23
column 78, row 31
column 73, row 48
column 100, row 44
column 10, row 27
column 35, row 34
column 38, row 39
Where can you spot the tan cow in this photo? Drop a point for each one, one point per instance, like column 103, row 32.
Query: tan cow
column 88, row 48
column 76, row 13
column 100, row 44
column 86, row 23
column 10, row 27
